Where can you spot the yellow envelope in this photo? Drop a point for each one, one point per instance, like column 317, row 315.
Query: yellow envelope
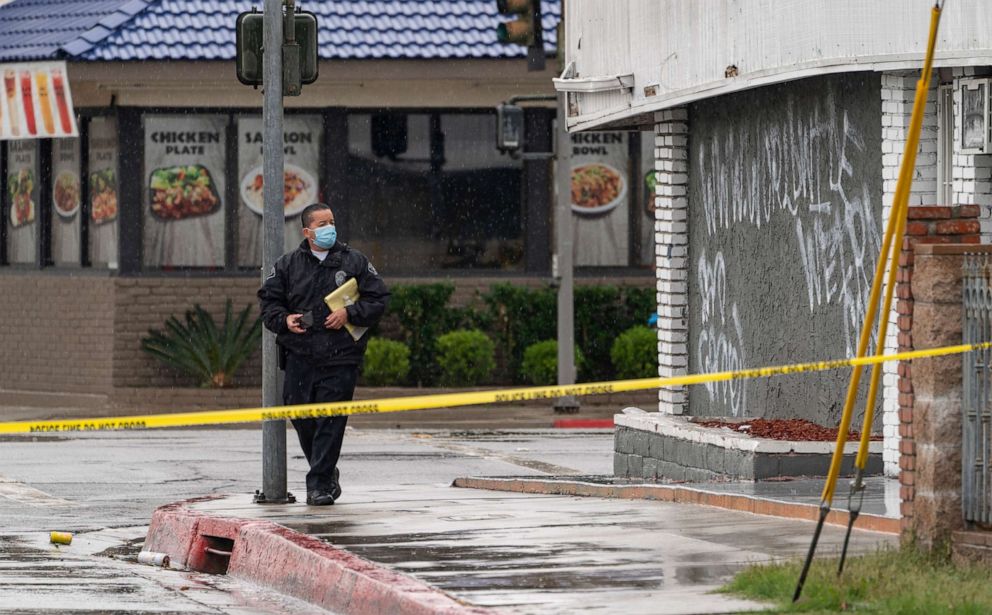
column 343, row 296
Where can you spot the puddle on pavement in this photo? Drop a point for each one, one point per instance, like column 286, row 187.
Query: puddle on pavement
column 460, row 567
column 127, row 551
column 509, row 436
column 32, row 439
column 394, row 456
column 607, row 578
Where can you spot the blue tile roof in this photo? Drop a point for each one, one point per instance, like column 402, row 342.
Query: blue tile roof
column 204, row 29
column 37, row 29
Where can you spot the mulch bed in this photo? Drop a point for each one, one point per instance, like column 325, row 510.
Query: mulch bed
column 783, row 429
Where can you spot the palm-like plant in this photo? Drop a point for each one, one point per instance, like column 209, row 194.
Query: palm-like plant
column 200, row 348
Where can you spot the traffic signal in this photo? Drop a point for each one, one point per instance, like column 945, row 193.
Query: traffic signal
column 509, row 128
column 524, row 30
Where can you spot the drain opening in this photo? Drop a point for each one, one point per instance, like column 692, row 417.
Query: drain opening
column 216, row 555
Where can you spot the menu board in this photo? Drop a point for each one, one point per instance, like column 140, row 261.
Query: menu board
column 600, row 198
column 102, row 183
column 66, row 201
column 22, row 201
column 36, row 101
column 183, row 190
column 302, row 136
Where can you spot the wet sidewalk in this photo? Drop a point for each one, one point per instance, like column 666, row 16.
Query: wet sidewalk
column 541, row 554
column 790, row 498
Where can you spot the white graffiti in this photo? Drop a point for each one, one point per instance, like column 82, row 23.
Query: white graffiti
column 803, row 170
column 719, row 346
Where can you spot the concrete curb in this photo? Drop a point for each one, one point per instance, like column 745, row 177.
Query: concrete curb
column 682, row 495
column 277, row 558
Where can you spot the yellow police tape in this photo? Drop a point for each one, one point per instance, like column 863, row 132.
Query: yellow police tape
column 448, row 400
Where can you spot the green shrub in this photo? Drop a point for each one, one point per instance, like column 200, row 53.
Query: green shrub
column 540, row 364
column 421, row 313
column 518, row 317
column 465, row 357
column 635, row 353
column 387, row 363
column 201, row 349
column 602, row 313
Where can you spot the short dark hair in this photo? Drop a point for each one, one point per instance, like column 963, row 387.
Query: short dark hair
column 309, row 210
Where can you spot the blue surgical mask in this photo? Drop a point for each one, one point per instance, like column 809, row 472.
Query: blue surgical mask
column 325, row 236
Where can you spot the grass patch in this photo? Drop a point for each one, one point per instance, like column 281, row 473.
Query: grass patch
column 891, row 580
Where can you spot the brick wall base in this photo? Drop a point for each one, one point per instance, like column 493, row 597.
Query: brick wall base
column 82, row 333
column 56, row 332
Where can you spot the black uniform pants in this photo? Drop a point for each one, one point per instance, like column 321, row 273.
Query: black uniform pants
column 320, row 438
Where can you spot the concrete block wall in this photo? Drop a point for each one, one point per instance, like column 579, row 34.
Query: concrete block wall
column 898, row 95
column 56, row 332
column 671, row 252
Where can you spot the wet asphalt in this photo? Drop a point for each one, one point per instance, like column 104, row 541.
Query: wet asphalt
column 521, row 553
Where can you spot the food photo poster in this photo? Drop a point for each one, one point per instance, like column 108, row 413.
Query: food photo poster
column 22, row 201
column 66, row 201
column 36, row 101
column 103, row 192
column 302, row 136
column 600, row 198
column 183, row 191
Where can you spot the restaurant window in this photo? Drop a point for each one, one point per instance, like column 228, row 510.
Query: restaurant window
column 21, row 201
column 645, row 205
column 302, row 138
column 183, row 190
column 103, row 192
column 429, row 191
column 66, row 201
column 601, row 198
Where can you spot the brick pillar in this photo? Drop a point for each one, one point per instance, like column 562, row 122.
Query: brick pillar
column 671, row 251
column 925, row 226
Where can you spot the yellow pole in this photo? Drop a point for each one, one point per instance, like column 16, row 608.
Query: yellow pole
column 894, row 229
column 902, row 200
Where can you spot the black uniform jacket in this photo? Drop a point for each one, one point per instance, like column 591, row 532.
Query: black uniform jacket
column 299, row 282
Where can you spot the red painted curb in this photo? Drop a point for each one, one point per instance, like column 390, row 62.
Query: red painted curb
column 583, row 423
column 277, row 558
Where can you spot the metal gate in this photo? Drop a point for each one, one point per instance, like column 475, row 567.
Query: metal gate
column 976, row 482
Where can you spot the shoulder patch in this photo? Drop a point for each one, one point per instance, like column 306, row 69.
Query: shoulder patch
column 372, row 269
column 272, row 273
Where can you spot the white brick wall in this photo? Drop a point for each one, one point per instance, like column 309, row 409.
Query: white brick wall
column 671, row 252
column 972, row 174
column 898, row 93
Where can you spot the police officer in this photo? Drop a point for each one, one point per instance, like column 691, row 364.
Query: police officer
column 319, row 355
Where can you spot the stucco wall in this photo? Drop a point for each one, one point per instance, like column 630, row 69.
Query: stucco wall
column 785, row 203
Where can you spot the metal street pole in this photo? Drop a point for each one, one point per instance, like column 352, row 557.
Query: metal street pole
column 563, row 262
column 273, row 432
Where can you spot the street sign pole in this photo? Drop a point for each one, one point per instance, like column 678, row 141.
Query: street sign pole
column 273, row 432
column 563, row 262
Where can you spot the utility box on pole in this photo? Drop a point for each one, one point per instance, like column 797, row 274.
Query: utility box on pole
column 299, row 50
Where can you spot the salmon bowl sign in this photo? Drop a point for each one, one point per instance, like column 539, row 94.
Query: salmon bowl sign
column 36, row 101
